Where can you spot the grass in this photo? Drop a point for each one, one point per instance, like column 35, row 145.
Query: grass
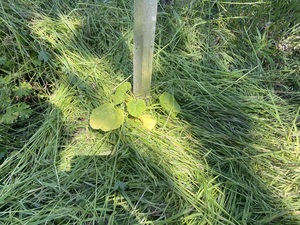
column 231, row 156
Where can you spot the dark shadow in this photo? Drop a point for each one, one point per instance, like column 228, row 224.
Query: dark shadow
column 117, row 207
column 226, row 132
column 23, row 106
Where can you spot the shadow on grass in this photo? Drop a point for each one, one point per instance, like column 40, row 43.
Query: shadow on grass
column 230, row 150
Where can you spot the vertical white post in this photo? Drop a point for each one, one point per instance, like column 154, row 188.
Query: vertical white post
column 145, row 12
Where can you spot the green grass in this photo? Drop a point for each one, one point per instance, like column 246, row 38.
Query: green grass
column 231, row 157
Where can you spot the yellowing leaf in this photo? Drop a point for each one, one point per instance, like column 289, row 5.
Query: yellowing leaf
column 136, row 107
column 106, row 117
column 148, row 121
column 169, row 104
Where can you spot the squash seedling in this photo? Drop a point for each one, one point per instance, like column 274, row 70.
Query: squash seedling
column 111, row 115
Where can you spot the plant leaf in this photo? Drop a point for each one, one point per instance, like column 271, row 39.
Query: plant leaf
column 136, row 107
column 106, row 117
column 169, row 104
column 9, row 117
column 23, row 90
column 3, row 60
column 119, row 185
column 148, row 121
column 125, row 87
column 119, row 97
column 14, row 112
column 44, row 56
column 23, row 110
column 2, row 154
column 120, row 94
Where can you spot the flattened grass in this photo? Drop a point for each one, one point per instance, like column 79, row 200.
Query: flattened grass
column 232, row 155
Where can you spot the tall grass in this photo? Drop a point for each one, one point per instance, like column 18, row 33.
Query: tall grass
column 230, row 157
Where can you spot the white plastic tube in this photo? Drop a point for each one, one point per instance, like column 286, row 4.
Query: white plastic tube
column 145, row 12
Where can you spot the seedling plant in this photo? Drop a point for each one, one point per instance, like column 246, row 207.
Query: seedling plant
column 111, row 115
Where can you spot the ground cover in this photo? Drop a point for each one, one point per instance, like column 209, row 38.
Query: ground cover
column 231, row 156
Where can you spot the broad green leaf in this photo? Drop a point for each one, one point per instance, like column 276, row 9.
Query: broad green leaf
column 136, row 107
column 148, row 121
column 125, row 87
column 121, row 93
column 119, row 97
column 169, row 104
column 106, row 117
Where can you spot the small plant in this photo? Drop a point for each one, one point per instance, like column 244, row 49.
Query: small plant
column 16, row 91
column 110, row 116
column 21, row 95
column 169, row 104
column 13, row 106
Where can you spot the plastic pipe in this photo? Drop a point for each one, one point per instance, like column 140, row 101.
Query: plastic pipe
column 145, row 12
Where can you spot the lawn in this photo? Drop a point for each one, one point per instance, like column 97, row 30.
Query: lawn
column 230, row 156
